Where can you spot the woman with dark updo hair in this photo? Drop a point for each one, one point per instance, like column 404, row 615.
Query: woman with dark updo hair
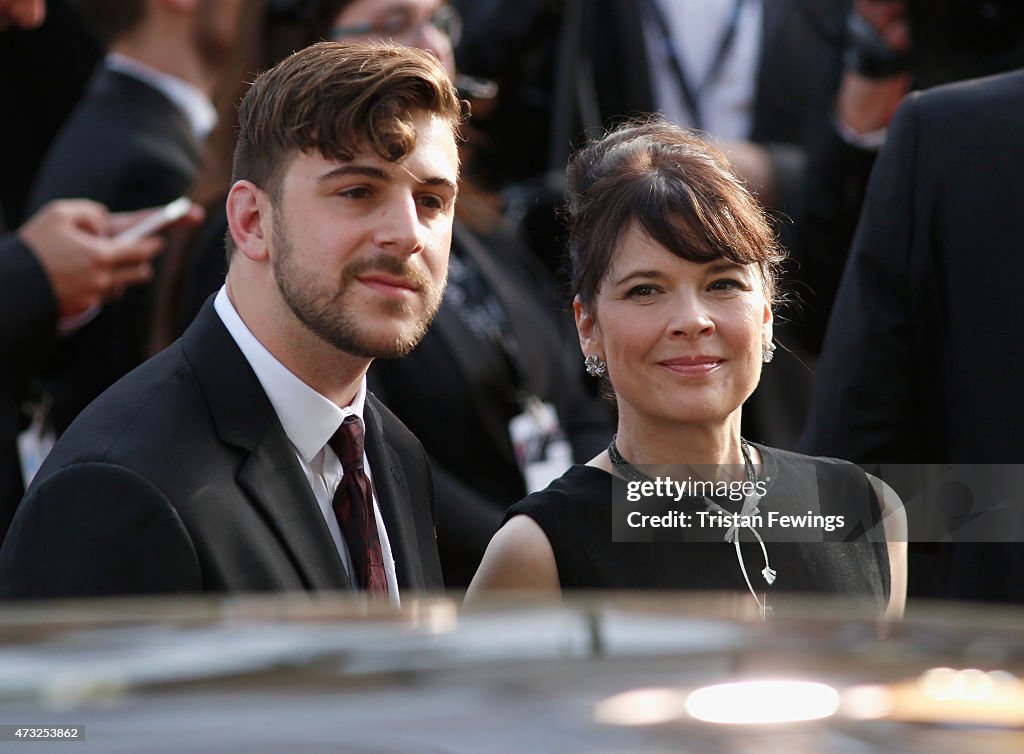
column 674, row 273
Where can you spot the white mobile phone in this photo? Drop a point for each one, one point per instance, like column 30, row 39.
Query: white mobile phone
column 159, row 220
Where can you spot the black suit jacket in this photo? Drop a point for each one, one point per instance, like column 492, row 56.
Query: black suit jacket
column 28, row 326
column 128, row 146
column 923, row 353
column 125, row 145
column 181, row 479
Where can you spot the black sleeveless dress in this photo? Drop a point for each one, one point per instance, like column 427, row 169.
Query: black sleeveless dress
column 576, row 513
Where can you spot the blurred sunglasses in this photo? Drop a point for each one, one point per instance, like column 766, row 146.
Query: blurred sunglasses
column 404, row 27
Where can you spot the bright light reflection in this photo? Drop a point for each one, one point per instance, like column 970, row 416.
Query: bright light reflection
column 653, row 706
column 943, row 696
column 970, row 684
column 867, row 702
column 762, row 702
column 435, row 616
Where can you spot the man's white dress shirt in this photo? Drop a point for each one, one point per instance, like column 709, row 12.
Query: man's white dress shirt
column 309, row 420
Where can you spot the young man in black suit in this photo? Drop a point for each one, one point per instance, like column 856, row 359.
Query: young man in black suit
column 212, row 467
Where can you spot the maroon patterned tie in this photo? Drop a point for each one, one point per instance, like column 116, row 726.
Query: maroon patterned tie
column 353, row 505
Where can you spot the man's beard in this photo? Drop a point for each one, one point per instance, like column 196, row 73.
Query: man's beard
column 326, row 314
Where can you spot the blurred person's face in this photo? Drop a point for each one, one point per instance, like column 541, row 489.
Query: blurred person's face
column 25, row 14
column 426, row 24
column 216, row 29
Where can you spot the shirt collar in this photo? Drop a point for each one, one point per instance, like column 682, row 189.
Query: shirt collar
column 309, row 419
column 200, row 112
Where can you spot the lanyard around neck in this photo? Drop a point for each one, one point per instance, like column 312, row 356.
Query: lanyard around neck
column 692, row 95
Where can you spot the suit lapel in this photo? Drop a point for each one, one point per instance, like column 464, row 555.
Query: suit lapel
column 393, row 499
column 278, row 488
column 270, row 472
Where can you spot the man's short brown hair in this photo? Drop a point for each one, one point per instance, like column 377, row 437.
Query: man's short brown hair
column 336, row 98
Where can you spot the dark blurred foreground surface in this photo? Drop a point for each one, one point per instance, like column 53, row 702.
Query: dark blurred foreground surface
column 613, row 674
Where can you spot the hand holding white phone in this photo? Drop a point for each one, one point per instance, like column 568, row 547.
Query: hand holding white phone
column 157, row 221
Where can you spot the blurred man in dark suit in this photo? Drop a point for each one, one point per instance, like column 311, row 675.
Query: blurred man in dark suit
column 134, row 140
column 923, row 351
column 62, row 262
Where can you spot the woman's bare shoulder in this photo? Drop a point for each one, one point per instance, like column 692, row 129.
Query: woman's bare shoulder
column 520, row 558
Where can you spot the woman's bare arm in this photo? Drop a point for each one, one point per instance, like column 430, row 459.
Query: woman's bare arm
column 518, row 558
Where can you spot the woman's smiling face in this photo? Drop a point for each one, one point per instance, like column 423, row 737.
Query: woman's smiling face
column 683, row 340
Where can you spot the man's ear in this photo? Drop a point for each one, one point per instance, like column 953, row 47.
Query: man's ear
column 246, row 207
column 769, row 320
column 586, row 328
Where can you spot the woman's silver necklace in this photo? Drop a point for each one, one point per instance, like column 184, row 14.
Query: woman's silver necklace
column 631, row 473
